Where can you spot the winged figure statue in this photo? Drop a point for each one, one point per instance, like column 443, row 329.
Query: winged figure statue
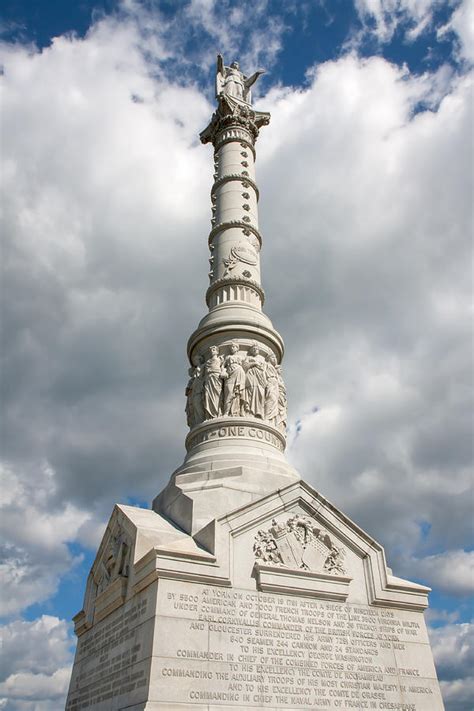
column 230, row 81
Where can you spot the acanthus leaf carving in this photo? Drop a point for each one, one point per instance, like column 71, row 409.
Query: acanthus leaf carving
column 233, row 112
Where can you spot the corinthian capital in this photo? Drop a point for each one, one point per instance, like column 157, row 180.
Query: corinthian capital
column 232, row 112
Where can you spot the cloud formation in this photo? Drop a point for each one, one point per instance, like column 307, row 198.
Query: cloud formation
column 36, row 664
column 376, row 229
column 383, row 17
column 453, row 650
column 412, row 18
column 36, row 533
column 365, row 177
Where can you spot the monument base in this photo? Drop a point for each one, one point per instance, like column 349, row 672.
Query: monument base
column 283, row 603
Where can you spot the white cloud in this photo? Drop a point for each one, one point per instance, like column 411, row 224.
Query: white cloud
column 36, row 647
column 435, row 615
column 458, row 694
column 252, row 34
column 37, row 686
column 375, row 309
column 366, row 216
column 83, row 133
column 453, row 650
column 36, row 664
column 34, row 556
column 383, row 17
column 365, row 196
column 462, row 24
column 451, row 572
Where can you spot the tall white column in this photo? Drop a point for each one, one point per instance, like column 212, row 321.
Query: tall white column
column 236, row 396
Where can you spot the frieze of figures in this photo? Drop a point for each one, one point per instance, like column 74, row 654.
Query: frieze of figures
column 236, row 384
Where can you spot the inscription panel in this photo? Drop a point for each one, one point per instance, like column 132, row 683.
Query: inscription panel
column 256, row 434
column 248, row 649
column 113, row 658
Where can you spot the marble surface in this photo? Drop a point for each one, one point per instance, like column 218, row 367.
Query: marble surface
column 280, row 604
column 244, row 587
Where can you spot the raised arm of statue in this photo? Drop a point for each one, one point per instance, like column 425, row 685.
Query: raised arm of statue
column 220, row 75
column 231, row 82
column 248, row 81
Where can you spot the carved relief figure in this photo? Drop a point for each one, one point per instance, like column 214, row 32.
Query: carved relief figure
column 189, row 398
column 299, row 543
column 231, row 82
column 234, row 381
column 236, row 386
column 213, row 376
column 266, row 549
column 197, row 390
column 194, row 393
column 280, row 421
column 115, row 561
column 255, row 382
column 272, row 390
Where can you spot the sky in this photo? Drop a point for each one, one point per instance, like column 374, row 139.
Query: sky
column 365, row 177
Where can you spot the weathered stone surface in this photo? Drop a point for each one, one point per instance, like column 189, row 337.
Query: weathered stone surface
column 243, row 587
column 287, row 605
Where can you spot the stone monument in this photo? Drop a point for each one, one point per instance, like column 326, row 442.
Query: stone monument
column 243, row 587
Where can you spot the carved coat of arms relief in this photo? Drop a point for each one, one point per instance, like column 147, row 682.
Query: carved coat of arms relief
column 299, row 543
column 115, row 561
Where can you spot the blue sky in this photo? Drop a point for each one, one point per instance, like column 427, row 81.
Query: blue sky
column 310, row 31
column 365, row 176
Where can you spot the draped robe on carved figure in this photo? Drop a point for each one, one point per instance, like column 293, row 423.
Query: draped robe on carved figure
column 272, row 390
column 234, row 383
column 213, row 384
column 255, row 383
column 197, row 392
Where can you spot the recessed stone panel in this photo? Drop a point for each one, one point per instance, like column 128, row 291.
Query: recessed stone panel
column 243, row 648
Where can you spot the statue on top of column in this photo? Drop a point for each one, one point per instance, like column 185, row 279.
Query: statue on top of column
column 231, row 82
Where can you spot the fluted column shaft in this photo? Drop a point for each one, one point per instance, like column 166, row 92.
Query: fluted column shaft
column 234, row 240
column 235, row 395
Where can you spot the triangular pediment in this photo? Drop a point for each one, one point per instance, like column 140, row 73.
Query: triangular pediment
column 292, row 541
column 296, row 539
